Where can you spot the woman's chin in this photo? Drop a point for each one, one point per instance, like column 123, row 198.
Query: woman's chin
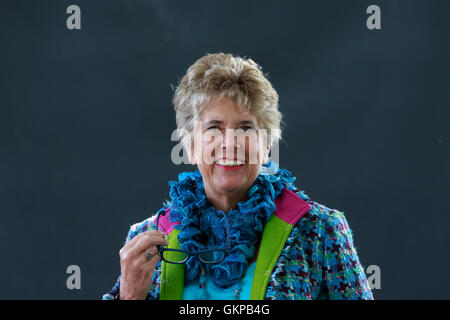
column 229, row 184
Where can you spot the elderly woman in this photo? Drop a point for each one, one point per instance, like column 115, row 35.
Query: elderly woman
column 238, row 227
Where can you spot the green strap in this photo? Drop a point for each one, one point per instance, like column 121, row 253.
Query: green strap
column 273, row 239
column 172, row 275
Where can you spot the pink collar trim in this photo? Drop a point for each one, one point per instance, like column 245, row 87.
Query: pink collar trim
column 165, row 225
column 290, row 207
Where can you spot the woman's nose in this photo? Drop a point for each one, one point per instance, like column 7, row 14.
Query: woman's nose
column 229, row 142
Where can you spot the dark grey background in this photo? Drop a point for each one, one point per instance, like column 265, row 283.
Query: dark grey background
column 86, row 118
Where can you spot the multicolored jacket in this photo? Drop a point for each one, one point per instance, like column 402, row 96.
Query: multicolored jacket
column 306, row 252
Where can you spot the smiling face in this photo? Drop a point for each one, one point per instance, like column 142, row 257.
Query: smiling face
column 230, row 156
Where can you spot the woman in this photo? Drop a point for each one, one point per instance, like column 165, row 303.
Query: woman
column 237, row 228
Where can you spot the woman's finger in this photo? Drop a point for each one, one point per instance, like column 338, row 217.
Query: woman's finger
column 147, row 240
column 150, row 255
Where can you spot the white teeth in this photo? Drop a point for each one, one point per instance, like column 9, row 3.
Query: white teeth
column 229, row 163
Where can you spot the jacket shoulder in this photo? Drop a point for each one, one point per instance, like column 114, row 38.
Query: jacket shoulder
column 139, row 227
column 319, row 214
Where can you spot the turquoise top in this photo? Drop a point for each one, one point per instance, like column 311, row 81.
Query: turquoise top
column 192, row 291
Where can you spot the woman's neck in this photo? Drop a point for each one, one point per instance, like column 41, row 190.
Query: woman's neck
column 225, row 201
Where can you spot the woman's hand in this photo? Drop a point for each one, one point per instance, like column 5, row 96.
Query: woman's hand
column 136, row 269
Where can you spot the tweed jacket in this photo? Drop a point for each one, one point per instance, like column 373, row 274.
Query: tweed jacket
column 317, row 261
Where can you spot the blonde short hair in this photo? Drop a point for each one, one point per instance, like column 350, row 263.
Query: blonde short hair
column 236, row 78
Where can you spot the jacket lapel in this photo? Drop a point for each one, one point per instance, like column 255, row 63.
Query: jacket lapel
column 290, row 208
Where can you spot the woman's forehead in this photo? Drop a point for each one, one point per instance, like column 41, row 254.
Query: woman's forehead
column 226, row 113
column 246, row 122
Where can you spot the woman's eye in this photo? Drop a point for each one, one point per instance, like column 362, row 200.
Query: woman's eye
column 213, row 128
column 245, row 128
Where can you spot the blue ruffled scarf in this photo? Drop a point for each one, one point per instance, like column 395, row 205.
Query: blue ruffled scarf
column 203, row 227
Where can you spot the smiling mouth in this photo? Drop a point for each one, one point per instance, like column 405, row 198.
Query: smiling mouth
column 230, row 167
column 230, row 164
column 225, row 162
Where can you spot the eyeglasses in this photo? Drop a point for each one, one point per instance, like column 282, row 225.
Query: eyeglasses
column 206, row 256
